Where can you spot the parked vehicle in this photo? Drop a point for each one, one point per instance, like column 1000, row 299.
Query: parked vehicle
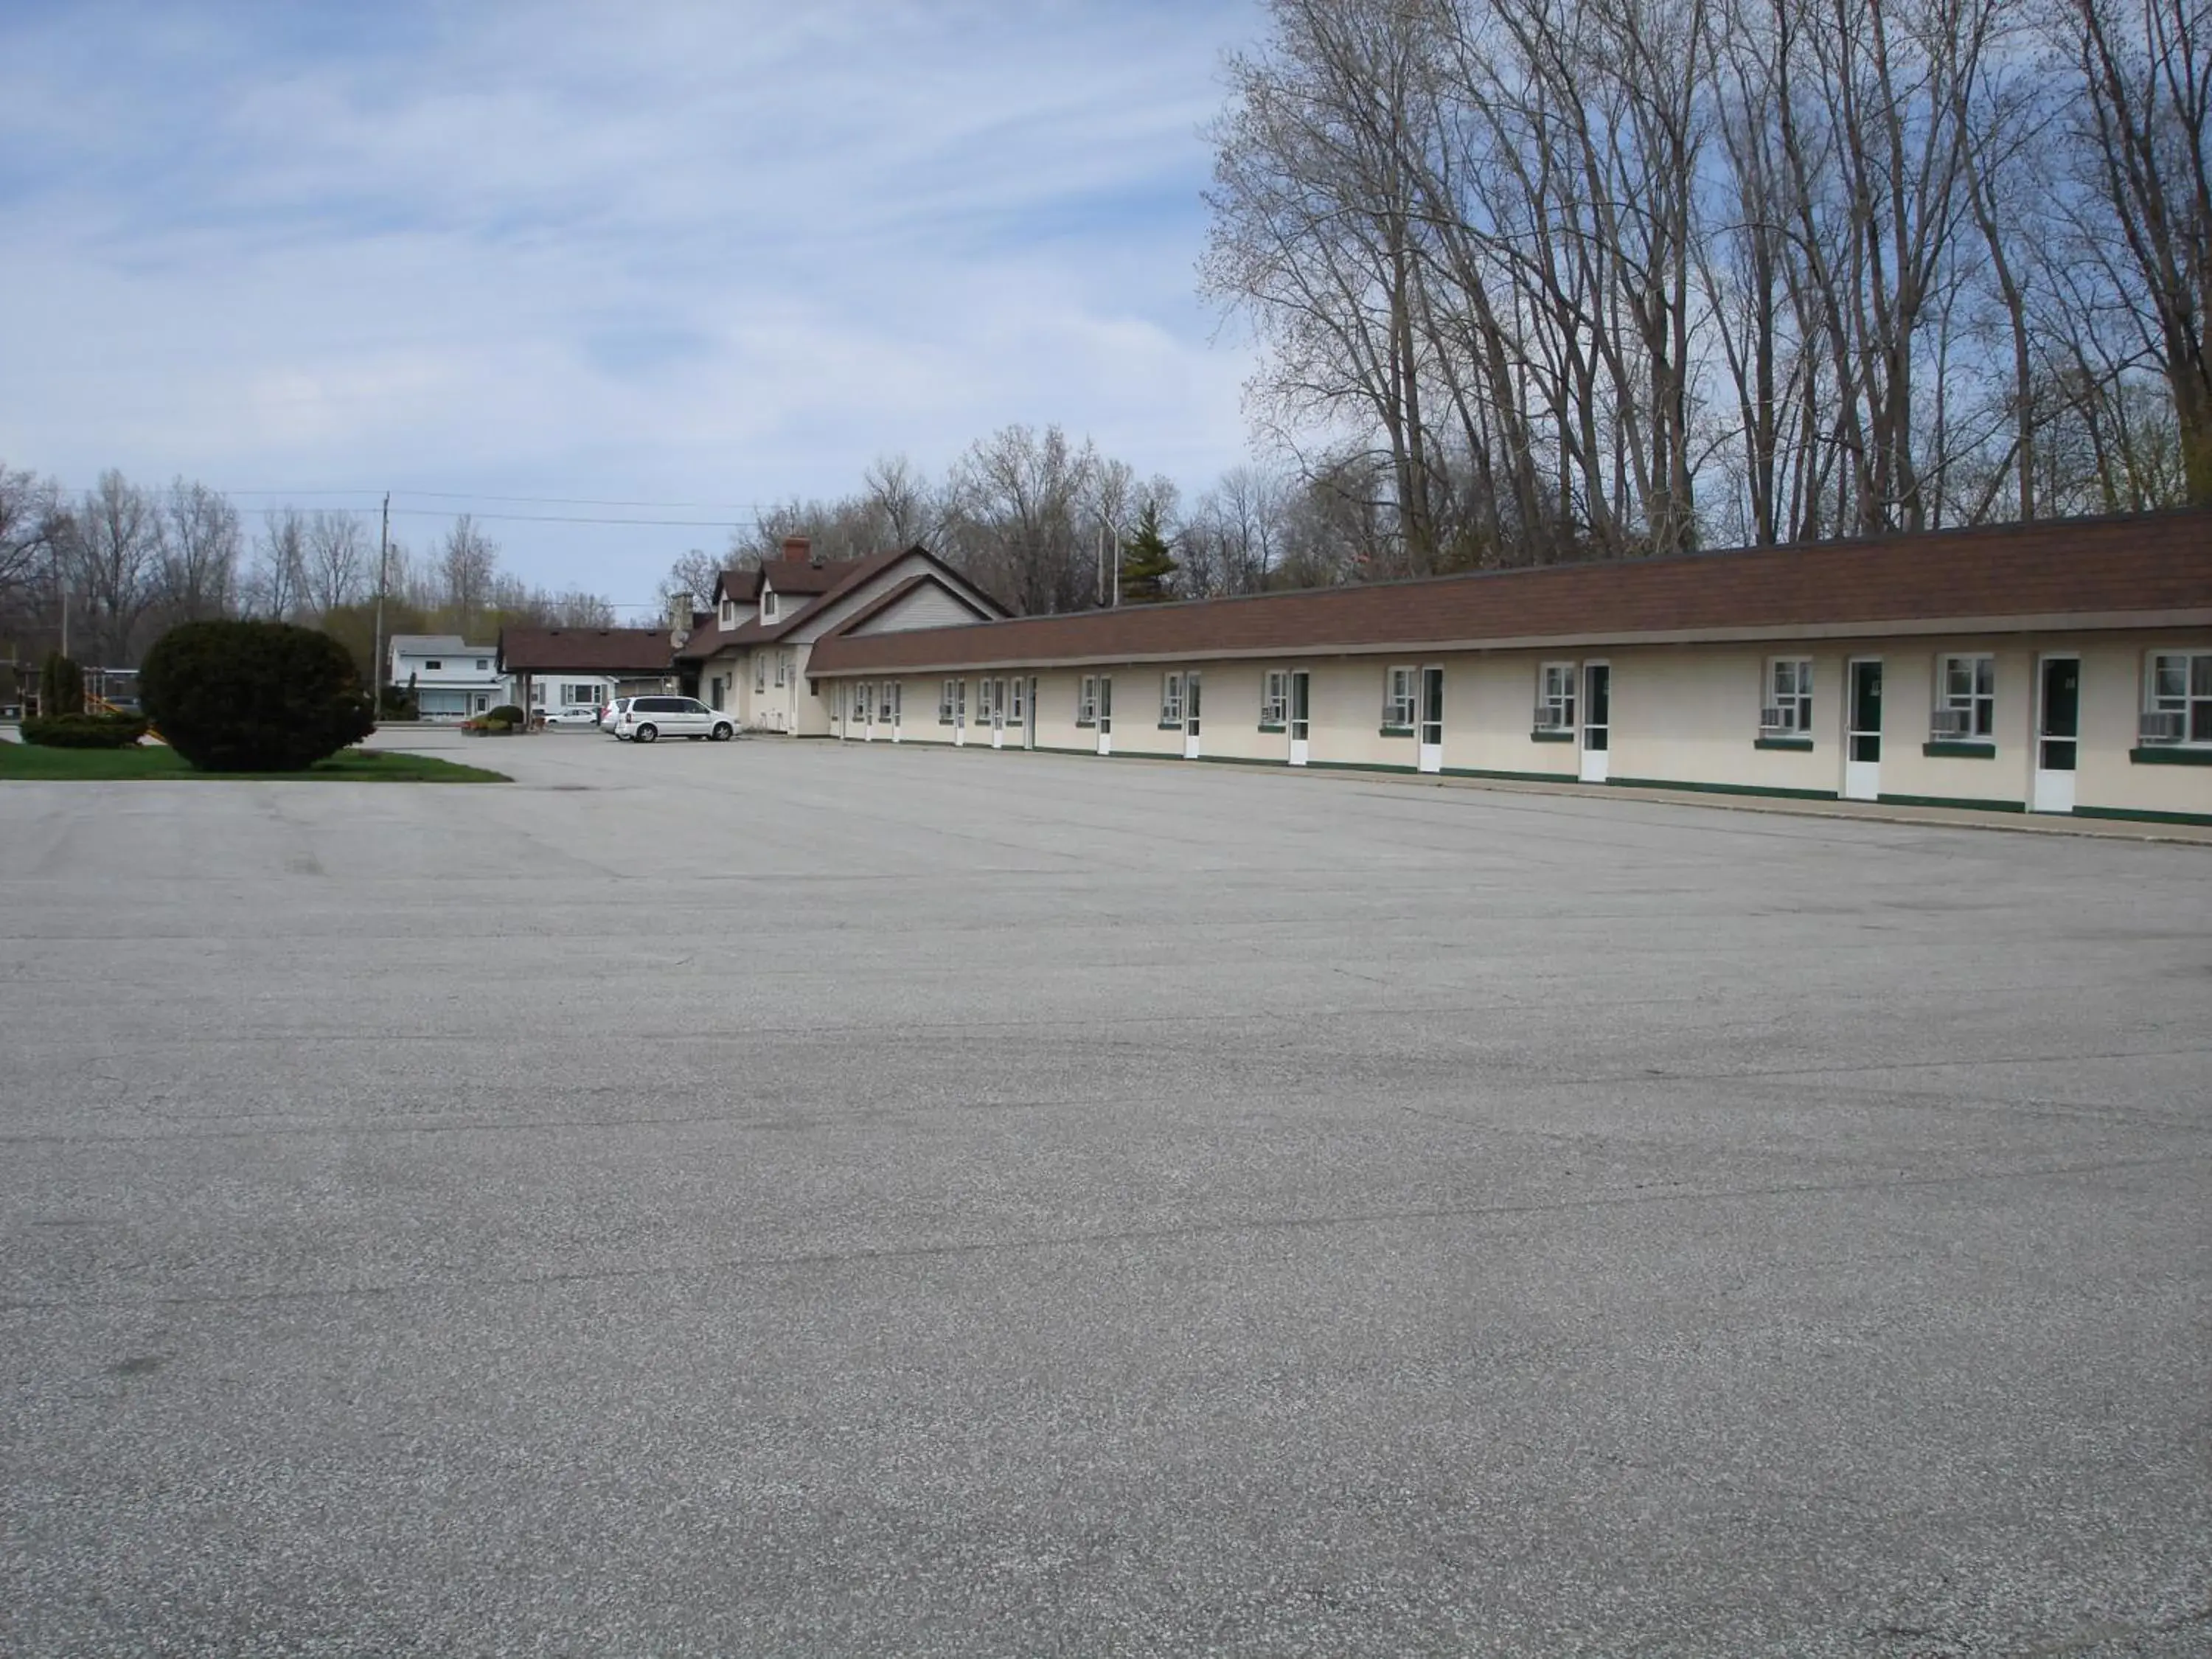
column 648, row 719
column 582, row 714
column 609, row 711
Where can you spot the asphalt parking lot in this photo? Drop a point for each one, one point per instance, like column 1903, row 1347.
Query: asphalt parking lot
column 771, row 1198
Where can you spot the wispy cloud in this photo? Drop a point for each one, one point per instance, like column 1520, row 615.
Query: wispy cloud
column 680, row 251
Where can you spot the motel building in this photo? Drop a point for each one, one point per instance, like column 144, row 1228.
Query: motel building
column 2062, row 666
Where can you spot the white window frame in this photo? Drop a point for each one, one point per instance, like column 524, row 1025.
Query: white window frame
column 1171, row 700
column 760, row 673
column 2192, row 701
column 1275, row 698
column 767, row 605
column 1086, row 700
column 1402, row 697
column 1557, row 689
column 729, row 613
column 1015, row 716
column 945, row 702
column 1979, row 700
column 1789, row 693
column 884, row 694
column 960, row 703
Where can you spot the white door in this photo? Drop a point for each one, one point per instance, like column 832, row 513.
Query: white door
column 1597, row 721
column 1029, row 717
column 1863, row 731
column 998, row 714
column 1431, row 756
column 898, row 708
column 1190, row 716
column 959, row 713
column 1300, row 714
column 2058, row 733
column 1105, row 715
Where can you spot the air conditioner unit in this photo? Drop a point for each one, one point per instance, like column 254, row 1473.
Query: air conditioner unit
column 1776, row 720
column 2161, row 726
column 1549, row 719
column 1951, row 723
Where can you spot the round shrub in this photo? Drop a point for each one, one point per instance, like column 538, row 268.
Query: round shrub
column 253, row 696
column 84, row 731
column 507, row 711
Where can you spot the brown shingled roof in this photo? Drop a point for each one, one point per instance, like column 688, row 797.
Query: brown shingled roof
column 583, row 650
column 2157, row 562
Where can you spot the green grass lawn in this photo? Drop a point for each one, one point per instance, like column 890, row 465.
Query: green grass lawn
column 19, row 760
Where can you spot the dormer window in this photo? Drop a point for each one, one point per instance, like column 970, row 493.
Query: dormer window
column 767, row 605
column 729, row 613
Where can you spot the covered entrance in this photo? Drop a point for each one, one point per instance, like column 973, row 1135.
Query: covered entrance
column 2057, row 733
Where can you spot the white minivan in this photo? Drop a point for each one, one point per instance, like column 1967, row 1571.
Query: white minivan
column 650, row 718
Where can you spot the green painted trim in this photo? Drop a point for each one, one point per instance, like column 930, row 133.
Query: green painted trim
column 1800, row 745
column 1960, row 802
column 1945, row 748
column 1243, row 760
column 2160, row 754
column 2131, row 815
column 1170, row 725
column 1719, row 788
column 1356, row 766
column 1507, row 776
column 1277, row 730
column 1393, row 730
column 1546, row 734
column 1086, row 725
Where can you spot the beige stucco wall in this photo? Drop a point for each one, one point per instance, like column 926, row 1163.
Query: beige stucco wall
column 1681, row 714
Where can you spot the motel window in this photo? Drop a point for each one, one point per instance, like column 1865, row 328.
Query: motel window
column 1788, row 704
column 781, row 679
column 1275, row 697
column 1398, row 700
column 2179, row 705
column 887, row 692
column 984, row 703
column 1965, row 699
column 1086, row 702
column 1171, row 699
column 945, row 703
column 760, row 673
column 864, row 702
column 1555, row 697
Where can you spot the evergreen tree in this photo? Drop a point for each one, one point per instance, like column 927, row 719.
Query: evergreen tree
column 1147, row 561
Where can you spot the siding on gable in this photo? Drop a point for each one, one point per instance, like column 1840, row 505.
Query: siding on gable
column 928, row 607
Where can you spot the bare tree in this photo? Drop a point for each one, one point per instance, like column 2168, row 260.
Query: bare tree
column 111, row 546
column 468, row 563
column 1014, row 505
column 27, row 507
column 277, row 582
column 338, row 562
column 200, row 553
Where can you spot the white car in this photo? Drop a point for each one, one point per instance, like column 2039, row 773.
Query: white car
column 650, row 718
column 574, row 714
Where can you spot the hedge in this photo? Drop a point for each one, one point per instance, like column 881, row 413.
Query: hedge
column 84, row 731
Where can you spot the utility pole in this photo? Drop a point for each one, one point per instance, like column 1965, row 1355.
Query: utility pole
column 383, row 573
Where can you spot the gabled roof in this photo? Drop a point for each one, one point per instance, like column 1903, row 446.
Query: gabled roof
column 856, row 622
column 849, row 574
column 584, row 650
column 2149, row 566
column 739, row 587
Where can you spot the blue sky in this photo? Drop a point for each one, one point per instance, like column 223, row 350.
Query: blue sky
column 681, row 254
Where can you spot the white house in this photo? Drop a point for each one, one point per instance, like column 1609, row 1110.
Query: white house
column 451, row 679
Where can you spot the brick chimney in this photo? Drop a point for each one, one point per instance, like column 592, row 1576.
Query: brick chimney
column 798, row 549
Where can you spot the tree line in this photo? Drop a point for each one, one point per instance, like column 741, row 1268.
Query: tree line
column 117, row 565
column 1045, row 522
column 1545, row 279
